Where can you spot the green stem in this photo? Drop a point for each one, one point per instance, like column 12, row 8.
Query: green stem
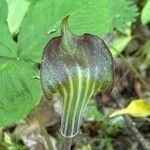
column 67, row 143
column 1, row 134
column 42, row 127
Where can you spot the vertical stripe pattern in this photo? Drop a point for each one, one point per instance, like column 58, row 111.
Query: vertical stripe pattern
column 76, row 67
column 75, row 98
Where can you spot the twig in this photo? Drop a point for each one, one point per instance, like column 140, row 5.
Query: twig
column 120, row 101
column 134, row 70
column 43, row 129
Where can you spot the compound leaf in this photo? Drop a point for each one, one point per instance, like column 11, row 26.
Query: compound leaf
column 90, row 16
column 123, row 13
column 19, row 91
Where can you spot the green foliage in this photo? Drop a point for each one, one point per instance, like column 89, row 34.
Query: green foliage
column 110, row 128
column 20, row 91
column 9, row 143
column 123, row 13
column 145, row 15
column 52, row 14
column 119, row 44
column 88, row 147
column 7, row 46
column 106, row 142
column 16, row 11
column 85, row 16
column 94, row 114
column 107, row 126
column 145, row 51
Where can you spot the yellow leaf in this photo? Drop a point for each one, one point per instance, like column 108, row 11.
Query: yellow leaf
column 137, row 108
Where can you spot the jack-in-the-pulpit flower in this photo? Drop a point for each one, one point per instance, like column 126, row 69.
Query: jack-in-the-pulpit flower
column 75, row 67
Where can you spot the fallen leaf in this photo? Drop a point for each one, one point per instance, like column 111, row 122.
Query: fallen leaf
column 137, row 108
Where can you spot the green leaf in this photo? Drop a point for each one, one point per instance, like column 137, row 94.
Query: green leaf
column 145, row 54
column 120, row 44
column 16, row 11
column 33, row 36
column 94, row 114
column 123, row 13
column 94, row 17
column 20, row 91
column 145, row 16
column 87, row 147
column 7, row 46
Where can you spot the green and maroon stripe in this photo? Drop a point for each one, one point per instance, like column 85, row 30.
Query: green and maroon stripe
column 75, row 97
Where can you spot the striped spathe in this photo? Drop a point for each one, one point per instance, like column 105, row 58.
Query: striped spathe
column 75, row 67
